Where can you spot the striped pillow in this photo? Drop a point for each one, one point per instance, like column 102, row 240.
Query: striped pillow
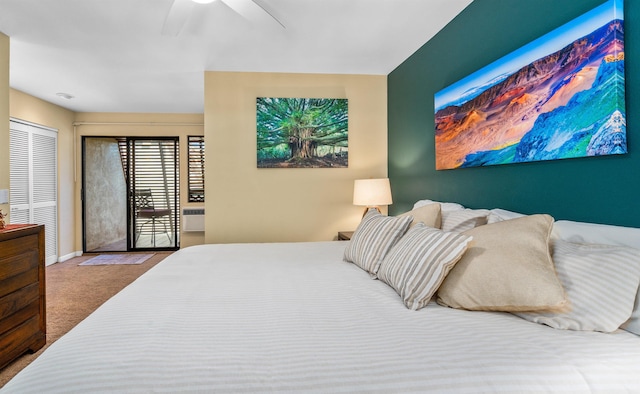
column 417, row 265
column 464, row 219
column 601, row 282
column 373, row 238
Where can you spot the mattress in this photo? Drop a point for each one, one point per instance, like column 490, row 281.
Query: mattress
column 295, row 317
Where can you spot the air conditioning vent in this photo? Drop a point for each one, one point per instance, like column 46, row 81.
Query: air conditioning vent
column 193, row 211
column 192, row 219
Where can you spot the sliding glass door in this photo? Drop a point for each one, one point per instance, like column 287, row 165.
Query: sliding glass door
column 130, row 194
column 153, row 169
column 104, row 191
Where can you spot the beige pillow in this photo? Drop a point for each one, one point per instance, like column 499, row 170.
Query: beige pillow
column 508, row 267
column 430, row 215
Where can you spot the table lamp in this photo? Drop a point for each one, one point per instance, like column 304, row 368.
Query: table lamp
column 371, row 193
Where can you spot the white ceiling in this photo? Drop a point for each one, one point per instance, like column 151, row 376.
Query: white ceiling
column 113, row 56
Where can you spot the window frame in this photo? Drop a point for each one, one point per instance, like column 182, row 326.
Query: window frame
column 195, row 168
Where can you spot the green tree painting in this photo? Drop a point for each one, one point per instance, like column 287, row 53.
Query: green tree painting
column 302, row 132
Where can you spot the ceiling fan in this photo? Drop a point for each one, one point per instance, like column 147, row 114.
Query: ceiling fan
column 249, row 9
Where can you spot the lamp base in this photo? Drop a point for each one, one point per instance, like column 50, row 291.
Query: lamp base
column 366, row 209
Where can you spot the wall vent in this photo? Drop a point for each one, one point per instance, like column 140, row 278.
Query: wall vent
column 193, row 219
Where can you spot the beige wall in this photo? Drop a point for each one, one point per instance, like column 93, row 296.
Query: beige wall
column 247, row 204
column 135, row 124
column 244, row 203
column 4, row 114
column 34, row 110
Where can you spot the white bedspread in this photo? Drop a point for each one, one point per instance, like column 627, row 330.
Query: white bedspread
column 295, row 317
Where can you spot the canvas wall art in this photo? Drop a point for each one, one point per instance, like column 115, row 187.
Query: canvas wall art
column 302, row 132
column 561, row 96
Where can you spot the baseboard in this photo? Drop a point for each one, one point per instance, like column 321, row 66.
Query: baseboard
column 66, row 257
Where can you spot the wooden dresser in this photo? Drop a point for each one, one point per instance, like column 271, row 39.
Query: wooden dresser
column 22, row 291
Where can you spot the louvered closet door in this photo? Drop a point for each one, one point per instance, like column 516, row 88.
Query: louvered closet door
column 34, row 180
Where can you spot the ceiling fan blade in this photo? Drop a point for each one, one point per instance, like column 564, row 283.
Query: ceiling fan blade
column 254, row 12
column 177, row 17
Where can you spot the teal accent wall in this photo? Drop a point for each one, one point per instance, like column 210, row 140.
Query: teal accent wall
column 595, row 189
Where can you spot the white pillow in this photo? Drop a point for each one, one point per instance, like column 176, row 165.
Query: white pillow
column 444, row 206
column 582, row 232
column 417, row 265
column 592, row 233
column 633, row 324
column 601, row 282
column 373, row 238
column 498, row 215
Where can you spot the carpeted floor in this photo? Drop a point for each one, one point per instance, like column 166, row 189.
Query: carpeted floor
column 73, row 292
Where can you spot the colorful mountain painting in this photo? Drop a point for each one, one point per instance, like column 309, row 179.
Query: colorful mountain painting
column 566, row 104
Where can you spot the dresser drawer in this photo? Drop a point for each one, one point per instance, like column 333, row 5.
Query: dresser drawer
column 18, row 271
column 12, row 303
column 25, row 337
column 17, row 246
column 22, row 315
column 23, row 322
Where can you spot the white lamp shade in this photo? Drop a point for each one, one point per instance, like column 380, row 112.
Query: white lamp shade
column 372, row 192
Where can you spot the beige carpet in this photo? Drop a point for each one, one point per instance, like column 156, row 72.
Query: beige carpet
column 73, row 292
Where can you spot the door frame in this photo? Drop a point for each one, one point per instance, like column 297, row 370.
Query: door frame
column 130, row 196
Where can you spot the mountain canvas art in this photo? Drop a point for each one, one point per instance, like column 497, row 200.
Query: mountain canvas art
column 561, row 96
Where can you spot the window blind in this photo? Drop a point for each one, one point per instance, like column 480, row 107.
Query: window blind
column 196, row 168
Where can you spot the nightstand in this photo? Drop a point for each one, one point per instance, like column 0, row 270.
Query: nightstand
column 344, row 235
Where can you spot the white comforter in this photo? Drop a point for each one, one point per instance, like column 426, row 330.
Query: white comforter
column 295, row 317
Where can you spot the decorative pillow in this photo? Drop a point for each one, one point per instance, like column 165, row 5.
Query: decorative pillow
column 463, row 220
column 446, row 206
column 373, row 238
column 507, row 268
column 428, row 214
column 601, row 283
column 416, row 266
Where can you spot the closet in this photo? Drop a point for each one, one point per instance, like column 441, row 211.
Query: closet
column 33, row 181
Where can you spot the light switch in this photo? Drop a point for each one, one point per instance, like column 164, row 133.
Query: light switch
column 4, row 196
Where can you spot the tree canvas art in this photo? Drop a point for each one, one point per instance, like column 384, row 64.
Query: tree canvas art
column 561, row 96
column 302, row 132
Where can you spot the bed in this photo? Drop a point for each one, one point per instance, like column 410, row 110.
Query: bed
column 297, row 317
